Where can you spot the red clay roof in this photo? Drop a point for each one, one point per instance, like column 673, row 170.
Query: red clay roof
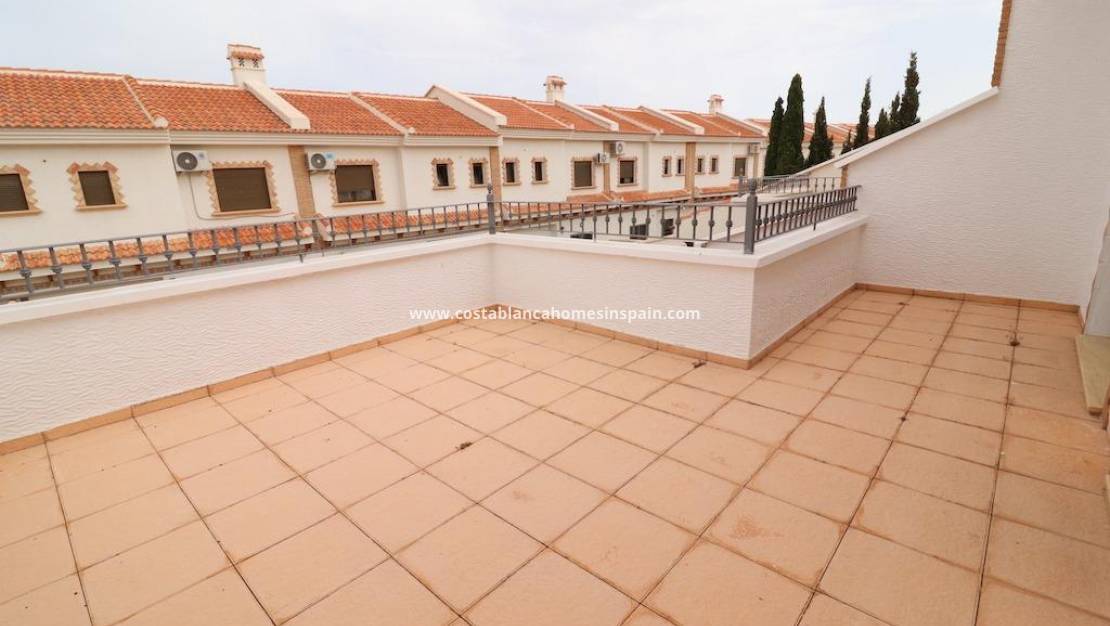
column 567, row 117
column 337, row 113
column 426, row 116
column 654, row 122
column 623, row 125
column 712, row 128
column 520, row 115
column 190, row 106
column 61, row 100
column 742, row 130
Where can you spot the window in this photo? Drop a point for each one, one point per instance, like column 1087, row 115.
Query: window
column 583, row 174
column 700, row 165
column 713, row 165
column 739, row 167
column 96, row 186
column 355, row 183
column 667, row 166
column 442, row 174
column 477, row 173
column 511, row 177
column 638, row 231
column 539, row 170
column 679, row 166
column 626, row 172
column 241, row 189
column 666, row 226
column 13, row 197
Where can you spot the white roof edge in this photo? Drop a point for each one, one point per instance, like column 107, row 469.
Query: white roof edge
column 467, row 106
column 590, row 115
column 399, row 127
column 735, row 120
column 698, row 130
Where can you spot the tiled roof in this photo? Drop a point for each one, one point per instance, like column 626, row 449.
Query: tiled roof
column 520, row 115
column 67, row 100
column 649, row 120
column 624, row 125
column 426, row 116
column 712, row 128
column 740, row 129
column 570, row 118
column 337, row 113
column 190, row 106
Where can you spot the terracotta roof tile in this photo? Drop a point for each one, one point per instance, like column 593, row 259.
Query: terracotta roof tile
column 190, row 106
column 520, row 115
column 649, row 120
column 426, row 116
column 569, row 118
column 740, row 129
column 68, row 100
column 712, row 128
column 624, row 125
column 337, row 113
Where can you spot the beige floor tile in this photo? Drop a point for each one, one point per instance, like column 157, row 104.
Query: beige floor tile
column 101, row 490
column 205, row 453
column 467, row 336
column 222, row 600
column 238, row 480
column 1064, row 466
column 860, row 416
column 899, row 585
column 1063, row 345
column 287, row 423
column 711, row 586
column 432, row 440
column 649, row 428
column 539, row 389
column 876, row 391
column 254, row 406
column 889, row 369
column 838, row 446
column 459, row 361
column 588, row 407
column 412, row 378
column 496, row 374
column 1003, row 605
column 541, row 434
column 1068, row 318
column 575, row 342
column 34, row 562
column 662, row 365
column 261, row 521
column 720, row 379
column 500, row 346
column 812, row 485
column 421, row 347
column 959, row 440
column 104, row 454
column 551, row 591
column 468, row 556
column 498, row 325
column 1037, row 327
column 824, row 611
column 1047, row 376
column 376, row 362
column 1063, row 510
column 153, row 571
column 385, row 596
column 854, row 329
column 864, row 317
column 490, row 412
column 1048, row 564
column 603, row 461
column 400, row 514
column 351, row 478
column 544, row 502
column 60, row 603
column 994, row 310
column 579, row 370
column 644, row 616
column 776, row 395
column 448, row 393
column 962, row 383
column 947, row 531
column 616, row 353
column 1001, row 352
column 957, row 408
column 306, row 452
column 972, row 364
column 312, row 371
column 540, row 332
column 20, row 478
column 1045, row 358
column 911, row 338
column 802, row 375
column 94, row 437
column 356, row 397
column 979, row 333
column 308, row 566
column 901, row 352
column 536, row 357
column 29, row 515
column 767, row 426
column 678, row 493
column 789, row 540
column 833, row 341
column 823, row 357
column 628, row 385
column 625, row 546
column 186, row 422
column 391, row 417
column 1068, row 402
column 903, row 321
column 480, row 469
column 722, row 454
column 114, row 530
column 945, row 477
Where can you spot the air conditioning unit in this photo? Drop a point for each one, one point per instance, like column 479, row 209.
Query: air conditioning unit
column 753, row 148
column 615, row 148
column 191, row 161
column 602, row 157
column 320, row 161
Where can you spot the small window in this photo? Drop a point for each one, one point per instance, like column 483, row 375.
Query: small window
column 666, row 225
column 626, row 169
column 242, row 189
column 510, row 173
column 13, row 197
column 477, row 173
column 739, row 167
column 96, row 187
column 714, row 165
column 539, row 171
column 666, row 166
column 638, row 231
column 355, row 183
column 583, row 174
column 679, row 166
column 700, row 165
column 443, row 175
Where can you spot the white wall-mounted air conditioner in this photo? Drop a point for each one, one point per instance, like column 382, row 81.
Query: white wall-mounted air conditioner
column 320, row 161
column 602, row 158
column 191, row 161
column 615, row 148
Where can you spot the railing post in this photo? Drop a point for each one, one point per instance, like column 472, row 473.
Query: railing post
column 489, row 209
column 749, row 219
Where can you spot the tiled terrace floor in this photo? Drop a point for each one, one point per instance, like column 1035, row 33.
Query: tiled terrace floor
column 897, row 462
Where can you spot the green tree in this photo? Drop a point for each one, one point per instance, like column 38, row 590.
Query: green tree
column 847, row 147
column 863, row 127
column 895, row 107
column 820, row 144
column 911, row 96
column 882, row 125
column 774, row 140
column 793, row 132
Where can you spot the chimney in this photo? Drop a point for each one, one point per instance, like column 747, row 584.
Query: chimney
column 246, row 64
column 556, row 88
column 716, row 103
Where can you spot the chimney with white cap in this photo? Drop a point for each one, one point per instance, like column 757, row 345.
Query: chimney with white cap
column 556, row 88
column 247, row 71
column 716, row 103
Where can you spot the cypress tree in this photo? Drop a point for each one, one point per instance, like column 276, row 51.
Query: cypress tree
column 820, row 144
column 895, row 107
column 793, row 132
column 911, row 96
column 882, row 125
column 774, row 141
column 864, row 117
column 847, row 147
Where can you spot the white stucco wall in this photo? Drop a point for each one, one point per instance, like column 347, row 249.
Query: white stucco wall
column 558, row 153
column 656, row 180
column 391, row 192
column 197, row 204
column 419, row 175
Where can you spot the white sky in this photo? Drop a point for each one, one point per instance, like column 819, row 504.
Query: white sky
column 662, row 53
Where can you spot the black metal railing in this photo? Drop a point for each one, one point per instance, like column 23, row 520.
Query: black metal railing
column 764, row 220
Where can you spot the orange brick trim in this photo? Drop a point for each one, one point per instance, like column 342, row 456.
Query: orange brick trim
column 271, row 187
column 504, row 171
column 667, row 171
column 485, row 172
column 74, row 171
column 702, row 159
column 302, row 181
column 1000, row 47
column 635, row 171
column 714, row 164
column 593, row 174
column 28, row 190
column 450, row 173
column 972, row 297
column 546, row 174
column 375, row 171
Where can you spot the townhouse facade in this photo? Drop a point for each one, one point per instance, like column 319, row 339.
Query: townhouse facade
column 88, row 156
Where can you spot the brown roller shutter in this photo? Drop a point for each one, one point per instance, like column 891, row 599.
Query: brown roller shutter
column 12, row 196
column 242, row 188
column 97, row 188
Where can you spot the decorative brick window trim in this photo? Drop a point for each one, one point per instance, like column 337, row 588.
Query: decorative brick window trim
column 714, row 164
column 74, row 171
column 376, row 171
column 635, row 171
column 668, row 168
column 546, row 174
column 271, row 187
column 485, row 172
column 741, row 174
column 680, row 164
column 504, row 170
column 28, row 190
column 450, row 163
column 593, row 175
column 699, row 171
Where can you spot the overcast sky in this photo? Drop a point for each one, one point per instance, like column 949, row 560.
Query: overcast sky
column 663, row 53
